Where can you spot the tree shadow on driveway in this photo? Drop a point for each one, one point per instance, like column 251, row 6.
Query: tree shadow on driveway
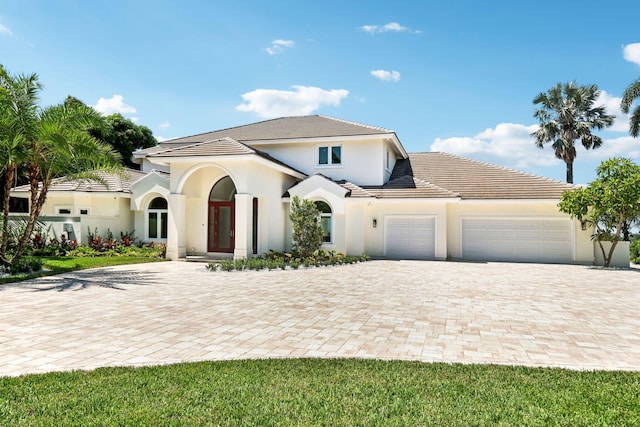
column 119, row 280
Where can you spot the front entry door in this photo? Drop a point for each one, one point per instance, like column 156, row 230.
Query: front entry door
column 221, row 236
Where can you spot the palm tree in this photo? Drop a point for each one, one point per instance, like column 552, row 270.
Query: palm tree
column 46, row 143
column 631, row 94
column 567, row 114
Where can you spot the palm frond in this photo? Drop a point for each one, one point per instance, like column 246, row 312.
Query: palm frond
column 630, row 95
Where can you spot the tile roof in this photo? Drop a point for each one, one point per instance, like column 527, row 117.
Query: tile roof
column 402, row 187
column 112, row 183
column 473, row 179
column 282, row 128
column 219, row 147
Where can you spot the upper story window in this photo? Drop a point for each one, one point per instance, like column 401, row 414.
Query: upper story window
column 330, row 155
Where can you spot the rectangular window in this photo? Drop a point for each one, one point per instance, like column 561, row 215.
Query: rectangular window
column 83, row 211
column 323, row 156
column 330, row 155
column 64, row 211
column 335, row 155
column 18, row 205
column 153, row 225
column 325, row 223
column 163, row 225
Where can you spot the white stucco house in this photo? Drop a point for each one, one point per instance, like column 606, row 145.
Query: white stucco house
column 228, row 192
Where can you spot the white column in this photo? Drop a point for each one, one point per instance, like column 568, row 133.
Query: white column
column 176, row 230
column 244, row 226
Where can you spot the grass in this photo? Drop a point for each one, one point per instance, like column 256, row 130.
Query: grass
column 57, row 265
column 322, row 392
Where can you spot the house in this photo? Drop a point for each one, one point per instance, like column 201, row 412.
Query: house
column 228, row 192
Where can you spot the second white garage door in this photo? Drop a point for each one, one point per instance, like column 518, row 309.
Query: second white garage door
column 409, row 237
column 523, row 240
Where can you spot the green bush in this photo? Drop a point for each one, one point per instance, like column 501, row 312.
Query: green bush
column 275, row 260
column 634, row 251
column 26, row 264
column 307, row 231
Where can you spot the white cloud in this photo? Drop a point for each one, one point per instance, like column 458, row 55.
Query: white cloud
column 160, row 138
column 115, row 104
column 511, row 145
column 134, row 119
column 508, row 144
column 164, row 125
column 5, row 30
column 389, row 76
column 624, row 146
column 277, row 46
column 391, row 26
column 631, row 53
column 303, row 100
column 612, row 104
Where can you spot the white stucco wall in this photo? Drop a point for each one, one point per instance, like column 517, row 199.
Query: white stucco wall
column 253, row 179
column 380, row 209
column 106, row 211
column 363, row 161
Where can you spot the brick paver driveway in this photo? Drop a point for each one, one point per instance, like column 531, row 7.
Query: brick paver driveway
column 538, row 315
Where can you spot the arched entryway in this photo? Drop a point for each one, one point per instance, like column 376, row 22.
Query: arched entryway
column 222, row 214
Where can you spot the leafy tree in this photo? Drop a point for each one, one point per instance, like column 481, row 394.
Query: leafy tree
column 307, row 231
column 124, row 136
column 45, row 143
column 121, row 133
column 609, row 202
column 567, row 114
column 631, row 94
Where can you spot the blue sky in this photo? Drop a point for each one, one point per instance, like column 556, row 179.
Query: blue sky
column 455, row 76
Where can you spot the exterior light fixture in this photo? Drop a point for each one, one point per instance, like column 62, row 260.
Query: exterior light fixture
column 583, row 225
column 375, row 222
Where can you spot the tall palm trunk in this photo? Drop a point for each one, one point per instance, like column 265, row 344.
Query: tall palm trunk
column 38, row 197
column 570, row 171
column 9, row 178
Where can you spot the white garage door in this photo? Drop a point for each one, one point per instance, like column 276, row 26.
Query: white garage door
column 524, row 240
column 411, row 237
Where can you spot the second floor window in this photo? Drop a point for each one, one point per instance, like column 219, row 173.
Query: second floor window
column 330, row 155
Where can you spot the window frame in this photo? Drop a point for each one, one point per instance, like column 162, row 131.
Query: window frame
column 329, row 154
column 329, row 217
column 161, row 221
column 67, row 208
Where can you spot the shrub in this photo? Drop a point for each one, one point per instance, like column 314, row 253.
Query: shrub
column 634, row 251
column 26, row 264
column 307, row 231
column 280, row 260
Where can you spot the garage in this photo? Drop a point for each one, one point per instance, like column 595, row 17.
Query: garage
column 409, row 237
column 516, row 239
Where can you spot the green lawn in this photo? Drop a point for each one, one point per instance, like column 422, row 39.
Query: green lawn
column 56, row 265
column 322, row 392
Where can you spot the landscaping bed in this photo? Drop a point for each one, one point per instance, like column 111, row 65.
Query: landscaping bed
column 276, row 260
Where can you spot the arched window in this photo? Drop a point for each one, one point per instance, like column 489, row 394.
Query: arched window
column 223, row 191
column 325, row 220
column 157, row 219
